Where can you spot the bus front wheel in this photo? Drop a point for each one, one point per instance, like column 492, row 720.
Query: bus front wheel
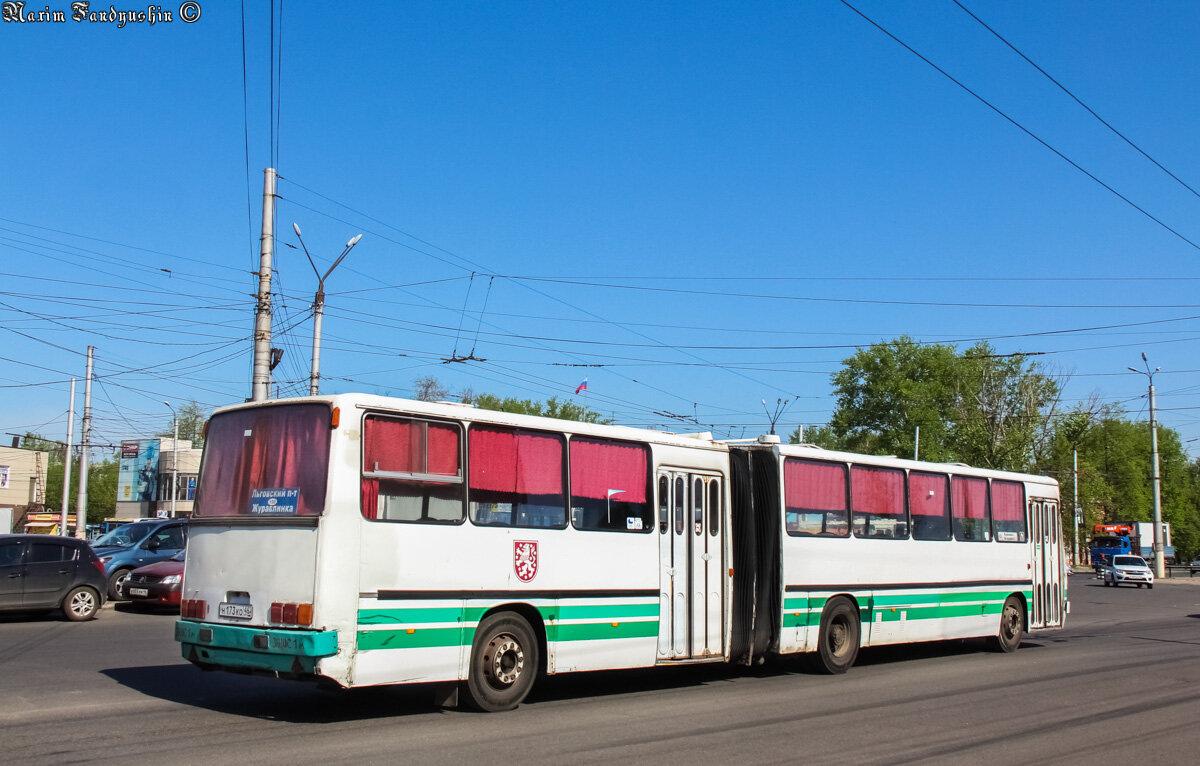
column 504, row 663
column 1012, row 626
column 837, row 644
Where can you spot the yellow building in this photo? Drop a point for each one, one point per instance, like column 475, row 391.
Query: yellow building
column 22, row 485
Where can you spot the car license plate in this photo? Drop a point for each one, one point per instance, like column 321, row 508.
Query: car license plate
column 139, row 592
column 235, row 611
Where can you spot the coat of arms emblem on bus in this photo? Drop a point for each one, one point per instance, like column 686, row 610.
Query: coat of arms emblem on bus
column 525, row 559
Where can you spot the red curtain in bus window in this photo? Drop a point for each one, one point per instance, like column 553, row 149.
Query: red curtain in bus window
column 283, row 447
column 926, row 494
column 877, row 490
column 968, row 497
column 510, row 461
column 598, row 466
column 814, row 486
column 443, row 449
column 1008, row 501
column 370, row 498
column 393, row 445
column 410, row 446
column 290, row 449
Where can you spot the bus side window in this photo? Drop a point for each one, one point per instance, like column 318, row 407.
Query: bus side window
column 878, row 498
column 1008, row 511
column 411, row 470
column 515, row 477
column 969, row 505
column 815, row 497
column 698, row 505
column 929, row 505
column 610, row 485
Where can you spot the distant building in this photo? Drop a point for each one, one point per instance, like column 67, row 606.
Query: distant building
column 148, row 470
column 22, row 486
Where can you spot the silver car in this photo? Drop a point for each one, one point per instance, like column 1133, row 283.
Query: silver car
column 1128, row 569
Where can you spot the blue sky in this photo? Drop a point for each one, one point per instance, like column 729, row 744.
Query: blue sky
column 666, row 193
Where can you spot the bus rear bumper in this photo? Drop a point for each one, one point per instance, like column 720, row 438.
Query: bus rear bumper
column 249, row 649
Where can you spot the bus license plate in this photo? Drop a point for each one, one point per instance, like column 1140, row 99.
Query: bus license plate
column 235, row 611
column 139, row 592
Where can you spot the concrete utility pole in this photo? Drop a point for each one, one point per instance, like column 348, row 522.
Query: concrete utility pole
column 174, row 457
column 262, row 316
column 85, row 445
column 1160, row 565
column 314, row 379
column 62, row 530
column 1075, row 476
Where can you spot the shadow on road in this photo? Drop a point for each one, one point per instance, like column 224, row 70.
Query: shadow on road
column 272, row 699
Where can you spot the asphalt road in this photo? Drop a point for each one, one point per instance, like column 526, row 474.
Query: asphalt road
column 1120, row 685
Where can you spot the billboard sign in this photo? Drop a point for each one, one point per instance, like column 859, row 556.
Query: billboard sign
column 137, row 477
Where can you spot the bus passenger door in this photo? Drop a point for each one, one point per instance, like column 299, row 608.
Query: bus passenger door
column 674, row 565
column 1045, row 539
column 706, row 559
column 691, row 611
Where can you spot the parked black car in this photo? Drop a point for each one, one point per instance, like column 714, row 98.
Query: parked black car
column 51, row 572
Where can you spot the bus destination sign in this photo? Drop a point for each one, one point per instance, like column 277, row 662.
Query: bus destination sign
column 274, row 502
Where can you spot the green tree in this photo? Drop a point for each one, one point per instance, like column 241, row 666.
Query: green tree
column 1004, row 408
column 191, row 425
column 976, row 407
column 32, row 441
column 1116, row 476
column 822, row 436
column 101, row 489
column 885, row 391
column 551, row 408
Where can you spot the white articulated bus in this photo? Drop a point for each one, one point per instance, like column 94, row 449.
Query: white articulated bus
column 366, row 540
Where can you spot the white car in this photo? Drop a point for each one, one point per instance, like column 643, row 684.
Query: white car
column 1130, row 569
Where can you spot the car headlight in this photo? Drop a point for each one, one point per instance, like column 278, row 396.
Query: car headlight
column 172, row 579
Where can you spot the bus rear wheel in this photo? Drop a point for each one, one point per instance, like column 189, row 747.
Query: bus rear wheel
column 504, row 663
column 837, row 643
column 1012, row 626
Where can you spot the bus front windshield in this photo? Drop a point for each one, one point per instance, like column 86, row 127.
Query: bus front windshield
column 265, row 461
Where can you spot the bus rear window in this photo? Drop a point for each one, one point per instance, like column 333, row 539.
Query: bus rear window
column 265, row 461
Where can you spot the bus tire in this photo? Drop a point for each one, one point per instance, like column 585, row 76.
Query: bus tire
column 1012, row 626
column 504, row 663
column 837, row 643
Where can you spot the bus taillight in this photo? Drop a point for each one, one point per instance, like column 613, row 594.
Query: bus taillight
column 193, row 609
column 291, row 614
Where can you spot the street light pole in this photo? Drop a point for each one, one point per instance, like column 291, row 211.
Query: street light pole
column 174, row 458
column 1159, row 560
column 314, row 380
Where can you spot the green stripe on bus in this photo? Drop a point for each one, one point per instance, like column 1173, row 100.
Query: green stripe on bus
column 417, row 638
column 601, row 630
column 412, row 638
column 409, row 616
column 893, row 599
column 600, row 611
column 425, row 615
